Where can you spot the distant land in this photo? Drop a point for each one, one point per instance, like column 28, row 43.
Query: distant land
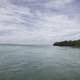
column 15, row 44
column 72, row 43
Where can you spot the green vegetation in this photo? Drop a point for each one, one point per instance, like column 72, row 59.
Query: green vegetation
column 73, row 43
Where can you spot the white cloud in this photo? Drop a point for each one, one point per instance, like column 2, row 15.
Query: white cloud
column 35, row 27
column 57, row 3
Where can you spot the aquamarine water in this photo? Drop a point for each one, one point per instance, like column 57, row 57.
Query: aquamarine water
column 39, row 62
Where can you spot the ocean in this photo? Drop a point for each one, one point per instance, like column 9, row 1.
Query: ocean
column 39, row 62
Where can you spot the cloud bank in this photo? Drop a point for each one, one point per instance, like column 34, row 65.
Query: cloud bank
column 38, row 21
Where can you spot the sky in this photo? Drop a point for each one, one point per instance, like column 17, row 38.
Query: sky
column 39, row 21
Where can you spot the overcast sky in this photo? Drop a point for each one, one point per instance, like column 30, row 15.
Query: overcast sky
column 39, row 21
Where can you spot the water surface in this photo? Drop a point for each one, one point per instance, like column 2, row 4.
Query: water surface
column 36, row 62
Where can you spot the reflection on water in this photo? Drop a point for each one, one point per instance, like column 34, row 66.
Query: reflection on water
column 34, row 62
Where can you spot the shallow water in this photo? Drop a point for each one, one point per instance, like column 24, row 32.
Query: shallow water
column 36, row 62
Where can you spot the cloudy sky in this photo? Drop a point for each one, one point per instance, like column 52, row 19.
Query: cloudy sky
column 39, row 21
